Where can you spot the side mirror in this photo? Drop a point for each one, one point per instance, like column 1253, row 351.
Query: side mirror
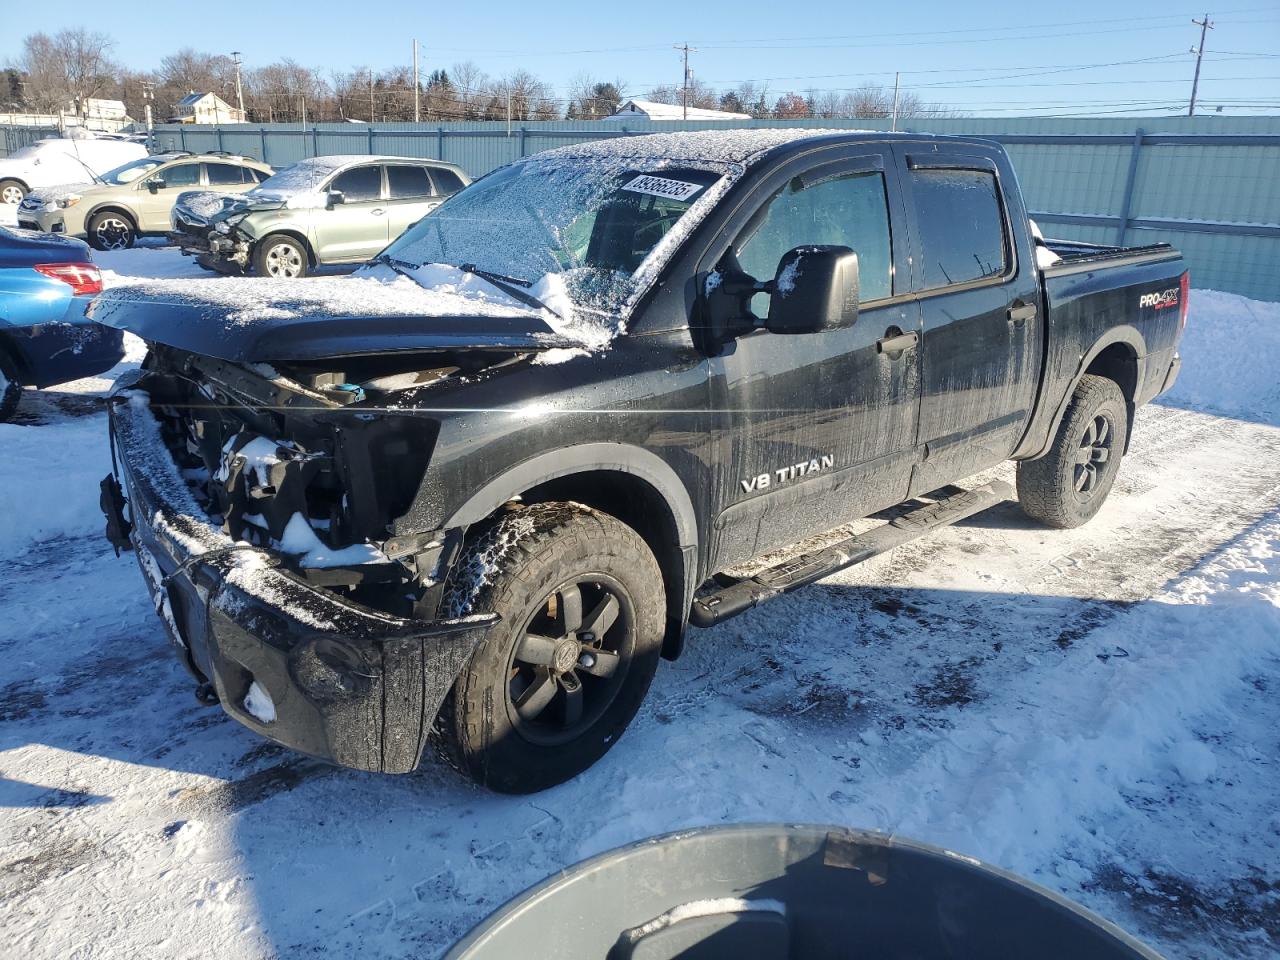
column 336, row 197
column 815, row 289
column 155, row 183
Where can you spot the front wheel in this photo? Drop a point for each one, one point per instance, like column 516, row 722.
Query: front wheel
column 555, row 684
column 12, row 192
column 1069, row 484
column 111, row 231
column 281, row 257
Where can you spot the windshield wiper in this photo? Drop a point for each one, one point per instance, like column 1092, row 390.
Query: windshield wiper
column 511, row 286
column 399, row 266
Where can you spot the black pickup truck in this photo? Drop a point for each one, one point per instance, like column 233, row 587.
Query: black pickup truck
column 471, row 495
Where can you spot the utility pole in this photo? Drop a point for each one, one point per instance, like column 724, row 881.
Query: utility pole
column 235, row 58
column 148, row 94
column 896, row 77
column 685, row 97
column 416, row 116
column 1205, row 24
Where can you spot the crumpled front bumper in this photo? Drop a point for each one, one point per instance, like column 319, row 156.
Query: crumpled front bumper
column 346, row 683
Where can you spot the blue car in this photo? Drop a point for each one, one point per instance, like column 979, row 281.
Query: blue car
column 45, row 339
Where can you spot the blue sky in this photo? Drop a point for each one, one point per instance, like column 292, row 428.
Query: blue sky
column 998, row 58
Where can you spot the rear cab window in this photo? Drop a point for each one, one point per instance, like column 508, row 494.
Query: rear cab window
column 961, row 227
column 405, row 182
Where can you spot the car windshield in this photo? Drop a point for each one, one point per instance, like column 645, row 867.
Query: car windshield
column 131, row 171
column 593, row 222
column 303, row 177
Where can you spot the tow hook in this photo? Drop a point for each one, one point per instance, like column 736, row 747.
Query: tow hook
column 206, row 695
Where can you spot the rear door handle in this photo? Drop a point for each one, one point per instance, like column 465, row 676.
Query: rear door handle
column 377, row 211
column 897, row 343
column 1021, row 312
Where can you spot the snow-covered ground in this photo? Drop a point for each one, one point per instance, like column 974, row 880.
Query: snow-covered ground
column 1097, row 709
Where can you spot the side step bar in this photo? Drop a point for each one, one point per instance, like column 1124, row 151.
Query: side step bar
column 741, row 595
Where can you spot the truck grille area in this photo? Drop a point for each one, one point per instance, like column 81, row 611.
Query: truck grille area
column 294, row 474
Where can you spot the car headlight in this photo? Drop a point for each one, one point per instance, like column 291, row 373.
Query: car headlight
column 70, row 200
column 235, row 219
column 222, row 227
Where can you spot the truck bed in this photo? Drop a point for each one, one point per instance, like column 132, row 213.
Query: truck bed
column 1077, row 255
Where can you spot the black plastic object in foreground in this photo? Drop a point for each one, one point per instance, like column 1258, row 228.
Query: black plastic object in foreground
column 783, row 892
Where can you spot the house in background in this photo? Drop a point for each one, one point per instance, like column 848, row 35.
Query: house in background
column 205, row 108
column 649, row 110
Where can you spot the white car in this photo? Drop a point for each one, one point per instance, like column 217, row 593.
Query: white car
column 50, row 163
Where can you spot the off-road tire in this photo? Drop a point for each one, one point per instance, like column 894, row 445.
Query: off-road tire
column 10, row 386
column 1047, row 486
column 513, row 568
column 128, row 231
column 11, row 188
column 269, row 247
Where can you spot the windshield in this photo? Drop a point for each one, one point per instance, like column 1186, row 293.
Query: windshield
column 592, row 222
column 131, row 171
column 303, row 177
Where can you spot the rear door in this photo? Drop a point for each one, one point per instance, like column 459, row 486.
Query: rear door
column 154, row 205
column 357, row 228
column 411, row 195
column 819, row 428
column 981, row 340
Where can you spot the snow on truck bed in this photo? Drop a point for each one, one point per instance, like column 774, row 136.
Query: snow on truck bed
column 1095, row 709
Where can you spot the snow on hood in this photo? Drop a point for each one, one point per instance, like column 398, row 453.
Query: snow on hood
column 59, row 192
column 203, row 203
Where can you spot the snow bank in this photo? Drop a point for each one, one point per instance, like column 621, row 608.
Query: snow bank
column 1230, row 355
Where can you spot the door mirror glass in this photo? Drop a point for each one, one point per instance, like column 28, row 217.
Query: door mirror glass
column 815, row 288
column 336, row 197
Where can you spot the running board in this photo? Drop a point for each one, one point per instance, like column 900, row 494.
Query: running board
column 741, row 595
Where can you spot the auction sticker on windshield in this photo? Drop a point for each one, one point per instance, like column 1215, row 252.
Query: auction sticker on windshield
column 662, row 187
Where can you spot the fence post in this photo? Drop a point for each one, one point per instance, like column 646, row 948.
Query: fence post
column 263, row 131
column 315, row 141
column 1126, row 202
column 218, row 132
column 522, row 132
column 439, row 143
column 182, row 133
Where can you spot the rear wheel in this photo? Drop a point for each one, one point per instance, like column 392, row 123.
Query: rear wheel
column 555, row 684
column 109, row 230
column 1068, row 485
column 12, row 192
column 10, row 386
column 281, row 257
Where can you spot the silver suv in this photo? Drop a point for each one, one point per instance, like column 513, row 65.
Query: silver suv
column 135, row 199
column 324, row 210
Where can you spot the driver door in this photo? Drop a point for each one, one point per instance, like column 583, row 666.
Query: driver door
column 355, row 229
column 818, row 428
column 154, row 205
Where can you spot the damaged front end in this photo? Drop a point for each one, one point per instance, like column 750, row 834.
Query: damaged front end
column 265, row 506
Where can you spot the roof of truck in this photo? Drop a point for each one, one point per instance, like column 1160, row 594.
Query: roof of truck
column 743, row 146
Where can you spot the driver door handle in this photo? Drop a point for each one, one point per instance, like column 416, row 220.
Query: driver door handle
column 898, row 343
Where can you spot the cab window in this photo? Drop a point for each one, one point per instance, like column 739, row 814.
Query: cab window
column 361, row 183
column 224, row 174
column 961, row 225
column 848, row 210
column 408, row 183
column 447, row 181
column 180, row 175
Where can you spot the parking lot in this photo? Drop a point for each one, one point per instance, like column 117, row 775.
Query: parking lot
column 1095, row 709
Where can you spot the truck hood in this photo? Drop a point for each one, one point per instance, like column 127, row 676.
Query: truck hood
column 262, row 320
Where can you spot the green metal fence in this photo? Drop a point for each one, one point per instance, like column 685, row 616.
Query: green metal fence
column 1210, row 185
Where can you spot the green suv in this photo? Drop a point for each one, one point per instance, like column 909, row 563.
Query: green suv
column 135, row 199
column 320, row 211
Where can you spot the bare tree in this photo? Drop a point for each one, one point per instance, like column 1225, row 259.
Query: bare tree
column 471, row 86
column 592, row 99
column 66, row 69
